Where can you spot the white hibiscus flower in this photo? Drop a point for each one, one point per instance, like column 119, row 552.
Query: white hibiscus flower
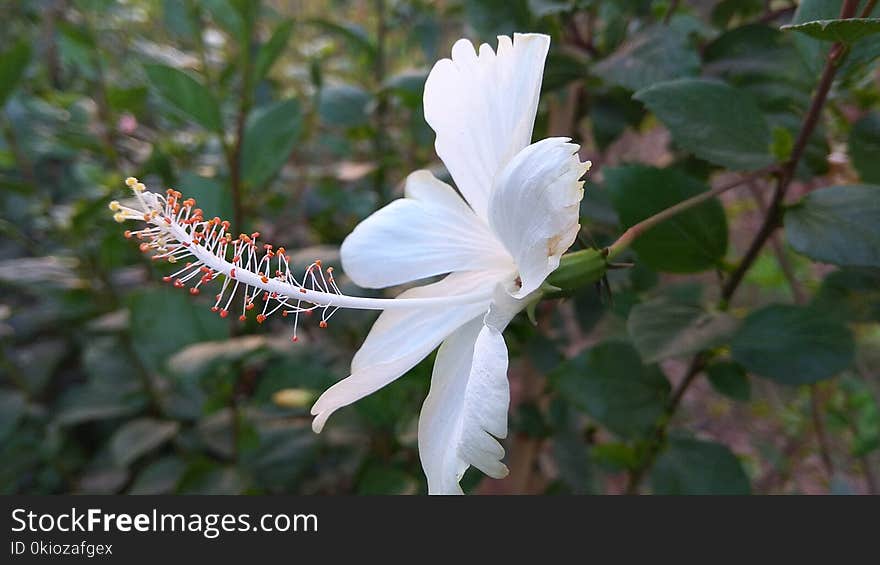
column 495, row 243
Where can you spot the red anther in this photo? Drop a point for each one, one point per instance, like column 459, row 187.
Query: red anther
column 215, row 220
column 178, row 283
column 269, row 254
column 284, row 313
column 250, row 306
column 214, row 308
column 281, row 251
column 225, row 224
column 294, row 339
column 264, row 278
column 166, row 279
column 193, row 291
column 274, row 295
column 236, row 259
column 331, row 280
column 217, row 296
column 265, row 296
column 169, row 191
column 318, row 262
column 205, row 269
column 267, row 246
column 232, row 273
column 144, row 247
column 242, row 318
column 261, row 318
column 177, row 194
column 127, row 234
column 255, row 235
column 278, row 273
column 198, row 212
column 322, row 324
column 188, row 264
column 329, row 269
column 302, row 290
column 223, row 313
column 189, row 202
column 184, row 243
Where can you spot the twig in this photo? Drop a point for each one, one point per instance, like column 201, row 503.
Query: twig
column 772, row 220
column 698, row 363
column 673, row 6
column 797, row 289
column 819, row 428
column 379, row 146
column 22, row 162
column 631, row 234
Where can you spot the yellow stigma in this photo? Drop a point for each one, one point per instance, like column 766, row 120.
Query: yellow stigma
column 114, row 205
column 119, row 217
column 140, row 187
column 130, row 182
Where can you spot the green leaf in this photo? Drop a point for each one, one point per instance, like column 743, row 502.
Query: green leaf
column 492, row 18
column 212, row 195
column 343, row 105
column 273, row 48
column 13, row 406
column 270, row 136
column 690, row 466
column 837, row 225
column 159, row 477
column 851, row 294
column 226, row 16
column 689, row 242
column 793, row 344
column 729, row 379
column 614, row 387
column 409, row 86
column 845, row 31
column 562, row 69
column 864, row 147
column 113, row 389
column 783, row 144
column 166, row 320
column 673, row 326
column 13, row 63
column 712, row 120
column 186, row 94
column 382, row 479
column 357, row 39
column 139, row 437
column 655, row 55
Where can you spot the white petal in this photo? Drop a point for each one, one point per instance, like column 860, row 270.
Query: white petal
column 483, row 108
column 467, row 404
column 430, row 232
column 534, row 208
column 399, row 339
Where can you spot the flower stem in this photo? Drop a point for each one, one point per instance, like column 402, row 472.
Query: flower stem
column 631, row 234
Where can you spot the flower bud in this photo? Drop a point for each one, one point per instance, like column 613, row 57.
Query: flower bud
column 576, row 270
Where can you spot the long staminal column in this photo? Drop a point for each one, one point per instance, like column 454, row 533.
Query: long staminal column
column 176, row 231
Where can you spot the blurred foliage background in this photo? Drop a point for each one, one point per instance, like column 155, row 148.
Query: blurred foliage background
column 300, row 118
